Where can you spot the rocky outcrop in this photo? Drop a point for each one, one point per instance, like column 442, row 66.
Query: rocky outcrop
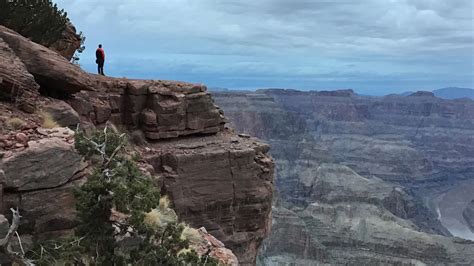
column 62, row 113
column 46, row 163
column 40, row 180
column 342, row 158
column 68, row 43
column 56, row 76
column 17, row 85
column 216, row 179
column 223, row 183
column 215, row 248
column 162, row 109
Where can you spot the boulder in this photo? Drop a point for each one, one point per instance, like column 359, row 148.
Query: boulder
column 49, row 210
column 16, row 83
column 208, row 244
column 54, row 73
column 62, row 113
column 46, row 163
column 69, row 42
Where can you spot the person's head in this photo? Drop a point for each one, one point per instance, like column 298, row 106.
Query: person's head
column 100, row 45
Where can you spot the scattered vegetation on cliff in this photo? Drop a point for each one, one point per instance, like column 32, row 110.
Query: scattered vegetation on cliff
column 40, row 20
column 123, row 219
column 48, row 120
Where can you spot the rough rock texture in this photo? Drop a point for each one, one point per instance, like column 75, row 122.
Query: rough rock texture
column 468, row 215
column 52, row 71
column 40, row 181
column 347, row 222
column 162, row 109
column 62, row 113
column 223, row 183
column 216, row 248
column 44, row 164
column 392, row 157
column 69, row 42
column 216, row 179
column 16, row 83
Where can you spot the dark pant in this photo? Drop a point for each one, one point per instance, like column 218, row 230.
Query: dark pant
column 100, row 67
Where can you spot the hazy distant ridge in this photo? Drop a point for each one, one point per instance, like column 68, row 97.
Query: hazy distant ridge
column 454, row 93
column 449, row 93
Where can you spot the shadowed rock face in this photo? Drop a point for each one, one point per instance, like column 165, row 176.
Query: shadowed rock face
column 469, row 215
column 222, row 182
column 356, row 175
column 16, row 83
column 216, row 179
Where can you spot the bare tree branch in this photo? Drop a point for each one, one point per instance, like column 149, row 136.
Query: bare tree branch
column 5, row 245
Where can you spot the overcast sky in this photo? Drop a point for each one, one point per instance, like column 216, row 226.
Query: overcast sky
column 372, row 46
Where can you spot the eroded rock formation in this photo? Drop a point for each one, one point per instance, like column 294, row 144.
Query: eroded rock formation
column 16, row 83
column 357, row 176
column 69, row 42
column 216, row 179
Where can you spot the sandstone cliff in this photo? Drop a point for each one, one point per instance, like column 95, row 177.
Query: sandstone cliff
column 215, row 178
column 358, row 178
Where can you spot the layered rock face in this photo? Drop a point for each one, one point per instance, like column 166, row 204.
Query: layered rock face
column 16, row 83
column 161, row 109
column 221, row 182
column 216, row 179
column 357, row 176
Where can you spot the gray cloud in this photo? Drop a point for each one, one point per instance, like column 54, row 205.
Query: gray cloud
column 284, row 39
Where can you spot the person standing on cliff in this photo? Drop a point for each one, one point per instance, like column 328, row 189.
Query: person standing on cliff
column 100, row 59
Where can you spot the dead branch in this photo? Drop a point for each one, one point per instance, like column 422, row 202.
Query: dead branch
column 5, row 245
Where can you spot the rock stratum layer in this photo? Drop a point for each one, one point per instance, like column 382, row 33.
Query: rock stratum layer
column 215, row 178
column 357, row 177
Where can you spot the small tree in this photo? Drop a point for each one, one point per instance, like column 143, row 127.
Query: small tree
column 40, row 20
column 115, row 207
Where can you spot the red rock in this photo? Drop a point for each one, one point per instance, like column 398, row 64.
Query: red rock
column 21, row 137
column 8, row 143
column 69, row 42
column 16, row 83
column 19, row 145
column 213, row 183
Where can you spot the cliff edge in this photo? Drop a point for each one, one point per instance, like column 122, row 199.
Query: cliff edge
column 215, row 178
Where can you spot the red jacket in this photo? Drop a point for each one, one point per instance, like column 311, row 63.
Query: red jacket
column 100, row 54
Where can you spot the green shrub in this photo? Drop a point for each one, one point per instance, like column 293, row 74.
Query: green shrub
column 39, row 20
column 147, row 232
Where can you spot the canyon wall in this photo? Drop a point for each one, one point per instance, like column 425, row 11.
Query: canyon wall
column 215, row 178
column 357, row 177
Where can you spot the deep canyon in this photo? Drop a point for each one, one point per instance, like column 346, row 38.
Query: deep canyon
column 359, row 180
column 364, row 180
